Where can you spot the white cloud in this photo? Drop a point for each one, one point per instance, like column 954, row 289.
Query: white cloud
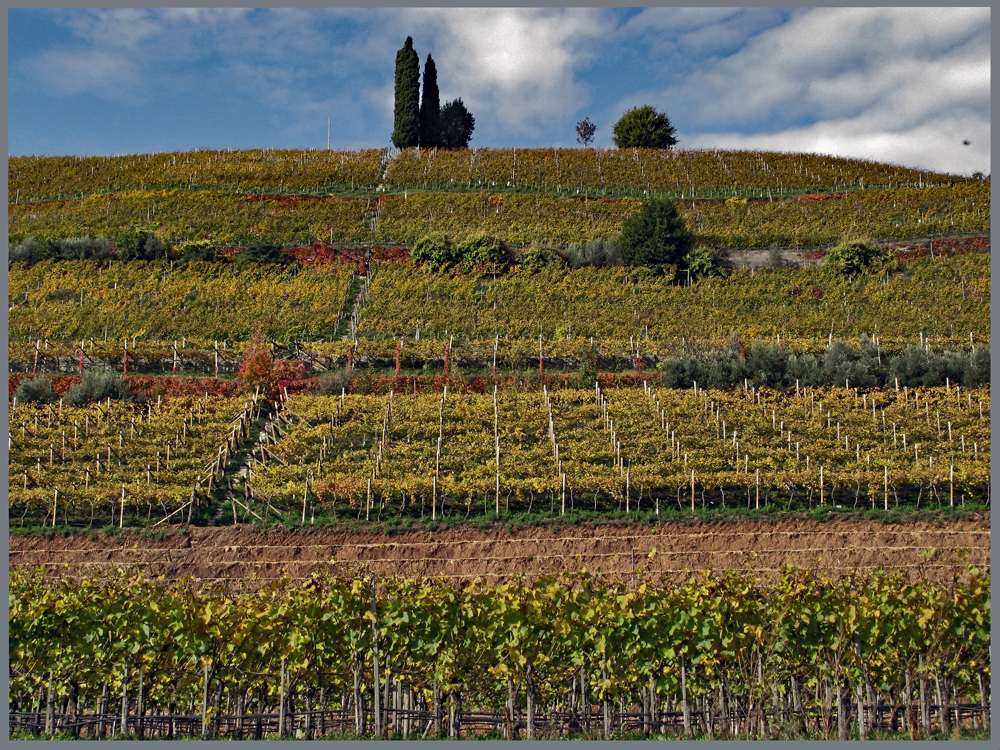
column 675, row 21
column 106, row 74
column 873, row 82
column 936, row 145
column 515, row 67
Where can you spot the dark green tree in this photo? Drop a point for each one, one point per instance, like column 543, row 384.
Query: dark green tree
column 430, row 107
column 263, row 253
column 656, row 236
column 139, row 243
column 644, row 127
column 406, row 122
column 457, row 124
column 852, row 257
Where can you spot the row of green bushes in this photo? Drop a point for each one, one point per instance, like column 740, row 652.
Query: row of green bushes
column 94, row 385
column 865, row 366
column 763, row 364
column 138, row 245
column 440, row 251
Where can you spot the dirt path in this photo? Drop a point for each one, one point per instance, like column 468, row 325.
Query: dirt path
column 249, row 557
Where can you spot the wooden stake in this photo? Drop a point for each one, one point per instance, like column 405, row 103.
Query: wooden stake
column 204, row 699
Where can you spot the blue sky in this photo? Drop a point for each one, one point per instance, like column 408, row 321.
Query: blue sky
column 901, row 85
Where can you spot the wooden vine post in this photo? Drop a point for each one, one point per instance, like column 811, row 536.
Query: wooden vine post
column 375, row 682
column 951, row 484
column 123, row 727
column 204, row 699
column 885, row 487
column 496, row 436
column 50, row 707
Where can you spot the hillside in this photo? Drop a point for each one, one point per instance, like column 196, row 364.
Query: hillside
column 729, row 199
column 682, row 173
column 259, row 453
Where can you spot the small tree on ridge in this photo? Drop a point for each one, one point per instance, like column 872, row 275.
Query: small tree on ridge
column 644, row 127
column 585, row 130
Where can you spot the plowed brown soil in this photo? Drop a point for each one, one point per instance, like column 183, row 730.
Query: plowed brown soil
column 247, row 557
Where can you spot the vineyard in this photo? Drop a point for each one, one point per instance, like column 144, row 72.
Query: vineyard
column 519, row 219
column 721, row 655
column 623, row 448
column 34, row 178
column 945, row 300
column 682, row 173
column 69, row 314
column 687, row 173
column 488, row 455
column 201, row 302
column 182, row 215
column 315, row 489
column 103, row 460
column 522, row 219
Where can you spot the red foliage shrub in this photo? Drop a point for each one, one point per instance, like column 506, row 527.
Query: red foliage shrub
column 259, row 370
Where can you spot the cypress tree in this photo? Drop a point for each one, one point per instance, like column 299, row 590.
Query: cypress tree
column 430, row 107
column 406, row 123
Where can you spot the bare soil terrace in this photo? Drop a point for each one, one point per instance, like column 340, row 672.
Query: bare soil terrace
column 246, row 558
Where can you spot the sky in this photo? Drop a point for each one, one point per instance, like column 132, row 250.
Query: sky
column 908, row 86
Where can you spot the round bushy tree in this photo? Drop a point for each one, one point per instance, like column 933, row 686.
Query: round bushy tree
column 852, row 257
column 139, row 243
column 656, row 236
column 644, row 127
column 436, row 249
column 480, row 248
column 457, row 124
